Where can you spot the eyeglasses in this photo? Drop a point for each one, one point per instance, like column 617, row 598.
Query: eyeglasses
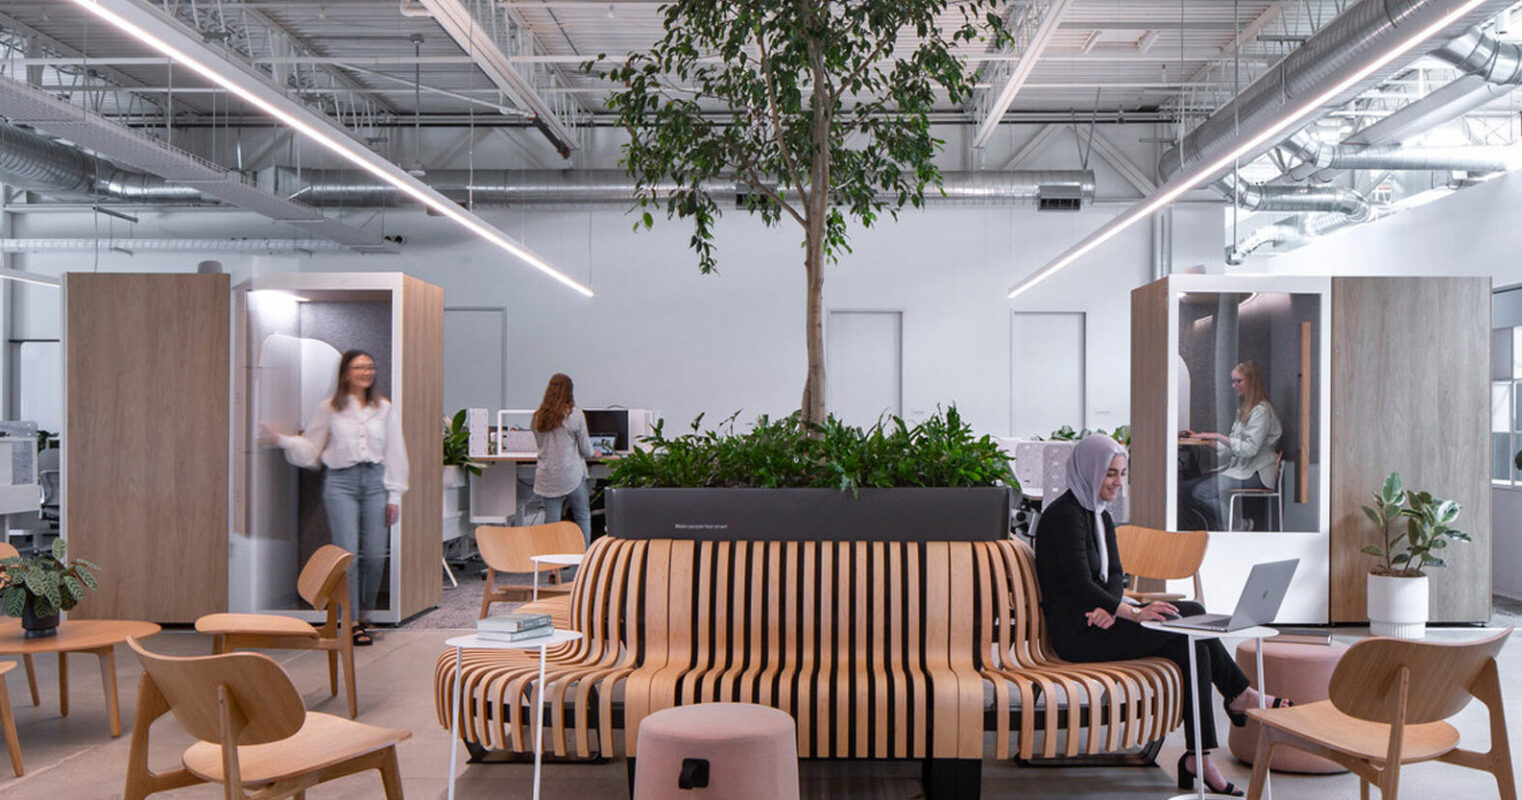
column 362, row 368
column 1234, row 381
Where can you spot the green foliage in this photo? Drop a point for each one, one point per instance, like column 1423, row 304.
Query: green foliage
column 941, row 451
column 1429, row 526
column 818, row 90
column 457, row 444
column 48, row 581
column 1066, row 433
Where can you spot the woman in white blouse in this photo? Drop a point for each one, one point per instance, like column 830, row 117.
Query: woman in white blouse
column 357, row 436
column 1252, row 448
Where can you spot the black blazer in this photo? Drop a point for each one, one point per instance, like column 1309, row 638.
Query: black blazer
column 1067, row 567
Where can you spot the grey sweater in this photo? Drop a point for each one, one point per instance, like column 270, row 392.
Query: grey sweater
column 562, row 456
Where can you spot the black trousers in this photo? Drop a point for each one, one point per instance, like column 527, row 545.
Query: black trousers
column 1126, row 639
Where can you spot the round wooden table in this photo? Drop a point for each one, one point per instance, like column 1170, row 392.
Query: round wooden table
column 98, row 636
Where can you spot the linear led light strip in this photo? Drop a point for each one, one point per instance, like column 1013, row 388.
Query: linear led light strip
column 347, row 151
column 28, row 277
column 1196, row 176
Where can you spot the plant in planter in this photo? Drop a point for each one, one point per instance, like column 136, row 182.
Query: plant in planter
column 890, row 481
column 1397, row 588
column 36, row 588
column 457, row 451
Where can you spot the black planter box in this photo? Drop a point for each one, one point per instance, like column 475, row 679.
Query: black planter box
column 881, row 515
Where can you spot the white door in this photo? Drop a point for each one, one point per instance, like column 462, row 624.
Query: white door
column 1046, row 372
column 864, row 365
column 473, row 338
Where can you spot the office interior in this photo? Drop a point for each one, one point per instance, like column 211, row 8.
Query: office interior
column 1320, row 254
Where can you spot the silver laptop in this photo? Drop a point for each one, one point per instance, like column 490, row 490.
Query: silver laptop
column 1258, row 605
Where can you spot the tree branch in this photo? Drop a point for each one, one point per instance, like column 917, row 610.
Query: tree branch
column 776, row 122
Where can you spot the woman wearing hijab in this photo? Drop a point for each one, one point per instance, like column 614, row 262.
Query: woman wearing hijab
column 1087, row 615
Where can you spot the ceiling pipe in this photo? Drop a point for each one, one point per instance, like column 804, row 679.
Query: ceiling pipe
column 34, row 162
column 1040, row 188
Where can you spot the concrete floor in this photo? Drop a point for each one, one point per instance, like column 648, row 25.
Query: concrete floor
column 75, row 757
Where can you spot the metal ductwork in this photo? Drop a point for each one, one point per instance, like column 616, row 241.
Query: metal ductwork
column 1042, row 188
column 1317, row 155
column 130, row 246
column 1297, row 199
column 1480, row 54
column 1344, row 42
column 37, row 163
column 1304, row 228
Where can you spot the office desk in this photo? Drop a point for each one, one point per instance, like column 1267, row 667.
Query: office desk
column 495, row 494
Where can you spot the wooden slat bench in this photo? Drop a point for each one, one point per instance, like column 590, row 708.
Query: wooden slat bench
column 881, row 650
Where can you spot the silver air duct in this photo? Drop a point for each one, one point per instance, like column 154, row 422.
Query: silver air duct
column 1346, row 41
column 1304, row 228
column 1260, row 197
column 549, row 188
column 34, row 162
column 1317, row 155
column 1478, row 53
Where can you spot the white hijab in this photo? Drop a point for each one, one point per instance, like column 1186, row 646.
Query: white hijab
column 1086, row 474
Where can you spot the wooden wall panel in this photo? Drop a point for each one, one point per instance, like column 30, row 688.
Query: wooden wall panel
column 1149, row 404
column 1410, row 392
column 422, row 393
column 146, row 441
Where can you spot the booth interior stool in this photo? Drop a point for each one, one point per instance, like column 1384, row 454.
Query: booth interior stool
column 1300, row 672
column 735, row 751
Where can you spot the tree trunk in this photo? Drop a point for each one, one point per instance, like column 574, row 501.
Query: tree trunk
column 816, row 210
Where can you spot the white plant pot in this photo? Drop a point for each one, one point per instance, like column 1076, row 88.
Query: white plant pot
column 1397, row 606
column 454, row 477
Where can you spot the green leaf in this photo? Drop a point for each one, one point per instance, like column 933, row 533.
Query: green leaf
column 13, row 601
column 60, row 550
column 1372, row 550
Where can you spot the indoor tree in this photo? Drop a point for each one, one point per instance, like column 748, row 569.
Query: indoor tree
column 818, row 109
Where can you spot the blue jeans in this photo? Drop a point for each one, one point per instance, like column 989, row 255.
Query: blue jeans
column 1204, row 496
column 355, row 499
column 581, row 509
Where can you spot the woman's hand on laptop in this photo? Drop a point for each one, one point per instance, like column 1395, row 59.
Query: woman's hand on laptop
column 1157, row 611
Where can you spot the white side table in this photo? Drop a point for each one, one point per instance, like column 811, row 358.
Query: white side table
column 1259, row 632
column 459, row 643
column 556, row 559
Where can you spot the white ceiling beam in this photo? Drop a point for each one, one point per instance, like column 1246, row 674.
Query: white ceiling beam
column 1127, row 168
column 457, row 21
column 1040, row 34
column 1021, row 157
column 156, row 29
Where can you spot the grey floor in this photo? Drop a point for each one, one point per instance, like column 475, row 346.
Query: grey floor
column 75, row 757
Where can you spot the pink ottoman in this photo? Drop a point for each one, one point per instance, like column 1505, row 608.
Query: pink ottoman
column 735, row 751
column 1301, row 672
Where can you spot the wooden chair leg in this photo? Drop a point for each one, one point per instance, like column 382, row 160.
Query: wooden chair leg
column 391, row 776
column 31, row 679
column 1260, row 762
column 8, row 723
column 347, row 657
column 63, row 685
column 1363, row 788
column 487, row 592
column 333, row 674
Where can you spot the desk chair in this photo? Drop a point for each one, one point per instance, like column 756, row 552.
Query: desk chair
column 254, row 732
column 511, row 550
column 1161, row 555
column 324, row 583
column 1276, row 493
column 1389, row 698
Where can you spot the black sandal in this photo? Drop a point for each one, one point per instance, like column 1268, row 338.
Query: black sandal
column 362, row 637
column 1239, row 718
column 1186, row 780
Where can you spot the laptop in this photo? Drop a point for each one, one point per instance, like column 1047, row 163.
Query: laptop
column 1258, row 605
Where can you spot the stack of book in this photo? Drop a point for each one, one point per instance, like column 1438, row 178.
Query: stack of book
column 1303, row 636
column 514, row 627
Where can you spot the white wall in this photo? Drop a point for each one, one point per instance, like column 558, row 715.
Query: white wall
column 660, row 335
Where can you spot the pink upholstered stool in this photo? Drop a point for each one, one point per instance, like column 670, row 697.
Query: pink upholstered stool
column 1301, row 672
column 735, row 751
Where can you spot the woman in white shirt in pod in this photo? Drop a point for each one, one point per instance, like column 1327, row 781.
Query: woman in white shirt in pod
column 357, row 436
column 1252, row 448
column 560, row 476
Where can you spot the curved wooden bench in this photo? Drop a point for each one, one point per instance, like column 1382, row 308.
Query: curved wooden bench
column 877, row 649
column 1088, row 708
column 499, row 685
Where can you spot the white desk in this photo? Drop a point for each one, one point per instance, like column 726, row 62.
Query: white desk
column 494, row 495
column 459, row 643
column 1258, row 632
column 556, row 559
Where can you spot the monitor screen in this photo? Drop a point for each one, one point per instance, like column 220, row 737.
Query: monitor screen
column 612, row 422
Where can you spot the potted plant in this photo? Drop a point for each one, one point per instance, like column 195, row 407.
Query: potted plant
column 890, row 482
column 457, row 451
column 1397, row 588
column 38, row 587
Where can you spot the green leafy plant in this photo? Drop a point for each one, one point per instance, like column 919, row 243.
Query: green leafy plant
column 1066, row 433
column 49, row 582
column 457, row 444
column 1429, row 526
column 940, row 451
column 826, row 121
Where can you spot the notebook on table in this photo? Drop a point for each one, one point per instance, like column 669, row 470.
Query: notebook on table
column 1258, row 605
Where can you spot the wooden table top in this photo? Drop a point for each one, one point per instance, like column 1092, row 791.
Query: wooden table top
column 82, row 634
column 1196, row 441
